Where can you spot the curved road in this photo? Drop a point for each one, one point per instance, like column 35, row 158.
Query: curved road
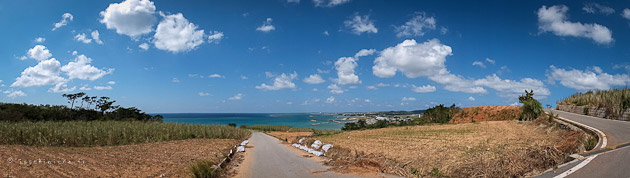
column 612, row 163
column 270, row 158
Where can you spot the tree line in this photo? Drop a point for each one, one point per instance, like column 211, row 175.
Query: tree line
column 90, row 108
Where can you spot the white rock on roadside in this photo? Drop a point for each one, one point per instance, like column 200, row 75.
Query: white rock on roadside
column 326, row 147
column 317, row 144
column 240, row 149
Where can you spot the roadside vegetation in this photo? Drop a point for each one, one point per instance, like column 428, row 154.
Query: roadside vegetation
column 615, row 101
column 203, row 169
column 104, row 133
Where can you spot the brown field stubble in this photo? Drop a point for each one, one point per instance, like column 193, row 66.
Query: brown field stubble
column 486, row 149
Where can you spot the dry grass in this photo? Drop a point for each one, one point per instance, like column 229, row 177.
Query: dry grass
column 486, row 113
column 291, row 137
column 615, row 101
column 487, row 149
column 171, row 158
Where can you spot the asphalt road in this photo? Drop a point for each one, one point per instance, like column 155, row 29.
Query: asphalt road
column 615, row 163
column 270, row 158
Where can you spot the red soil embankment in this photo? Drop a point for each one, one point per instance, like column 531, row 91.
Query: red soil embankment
column 486, row 113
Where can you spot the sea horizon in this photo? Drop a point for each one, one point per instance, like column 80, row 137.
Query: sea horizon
column 301, row 120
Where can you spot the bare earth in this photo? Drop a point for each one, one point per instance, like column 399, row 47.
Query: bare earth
column 171, row 158
column 486, row 113
column 487, row 149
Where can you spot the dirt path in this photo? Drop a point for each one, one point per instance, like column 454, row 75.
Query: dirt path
column 270, row 158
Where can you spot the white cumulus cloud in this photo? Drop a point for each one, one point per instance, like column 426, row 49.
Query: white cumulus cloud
column 46, row 72
column 360, row 24
column 554, row 19
column 215, row 37
column 130, row 17
column 471, row 98
column 204, row 94
column 589, row 79
column 314, row 79
column 39, row 52
column 144, row 46
column 39, row 40
column 283, row 81
column 103, row 87
column 81, row 68
column 345, row 67
column 330, row 99
column 61, row 87
column 416, row 26
column 329, row 3
column 65, row 19
column 423, row 89
column 238, row 96
column 334, row 89
column 96, row 36
column 412, row 59
column 408, row 99
column 427, row 60
column 592, row 8
column 81, row 37
column 266, row 26
column 479, row 63
column 626, row 13
column 216, row 76
column 14, row 94
column 175, row 34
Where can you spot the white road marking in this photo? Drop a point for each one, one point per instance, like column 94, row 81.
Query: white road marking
column 588, row 160
column 573, row 169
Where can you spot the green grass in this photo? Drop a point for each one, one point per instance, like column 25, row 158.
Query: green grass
column 103, row 133
column 203, row 169
column 614, row 101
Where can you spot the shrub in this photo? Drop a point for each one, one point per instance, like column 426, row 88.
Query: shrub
column 531, row 107
column 590, row 143
column 440, row 114
column 203, row 169
column 232, row 124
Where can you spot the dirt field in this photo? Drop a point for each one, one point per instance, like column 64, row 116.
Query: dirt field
column 171, row 158
column 291, row 137
column 486, row 113
column 486, row 149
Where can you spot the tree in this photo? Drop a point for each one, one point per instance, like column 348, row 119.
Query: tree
column 103, row 104
column 73, row 97
column 232, row 124
column 531, row 107
column 361, row 123
column 158, row 118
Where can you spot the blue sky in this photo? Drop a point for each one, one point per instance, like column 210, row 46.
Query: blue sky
column 310, row 56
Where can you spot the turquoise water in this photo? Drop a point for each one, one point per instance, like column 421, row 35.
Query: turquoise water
column 293, row 120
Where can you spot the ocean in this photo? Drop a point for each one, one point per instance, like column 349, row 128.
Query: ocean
column 303, row 120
